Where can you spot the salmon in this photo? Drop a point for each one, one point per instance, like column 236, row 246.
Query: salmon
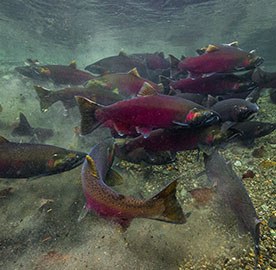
column 117, row 207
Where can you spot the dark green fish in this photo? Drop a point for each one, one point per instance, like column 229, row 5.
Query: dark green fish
column 24, row 160
column 97, row 93
column 232, row 191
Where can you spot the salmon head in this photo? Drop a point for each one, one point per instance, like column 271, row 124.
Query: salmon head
column 246, row 111
column 34, row 72
column 61, row 161
column 252, row 60
column 201, row 117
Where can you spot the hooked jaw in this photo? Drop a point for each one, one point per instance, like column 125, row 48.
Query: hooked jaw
column 253, row 60
column 61, row 163
column 246, row 113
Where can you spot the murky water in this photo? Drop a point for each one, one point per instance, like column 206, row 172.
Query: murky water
column 39, row 227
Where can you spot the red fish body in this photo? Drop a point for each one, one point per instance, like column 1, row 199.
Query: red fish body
column 121, row 209
column 23, row 160
column 178, row 139
column 216, row 84
column 67, row 75
column 128, row 84
column 174, row 140
column 59, row 74
column 142, row 114
column 220, row 58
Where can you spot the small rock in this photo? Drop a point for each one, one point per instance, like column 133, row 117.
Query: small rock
column 273, row 264
column 259, row 152
column 264, row 207
column 248, row 174
column 183, row 193
column 272, row 222
column 237, row 163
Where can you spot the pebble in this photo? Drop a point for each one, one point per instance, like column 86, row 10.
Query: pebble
column 264, row 207
column 183, row 193
column 6, row 77
column 272, row 222
column 237, row 163
column 273, row 264
column 248, row 174
column 258, row 152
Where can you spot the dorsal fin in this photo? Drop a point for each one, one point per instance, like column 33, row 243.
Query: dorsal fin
column 31, row 62
column 173, row 60
column 3, row 140
column 234, row 44
column 134, row 72
column 116, row 91
column 23, row 128
column 73, row 64
column 146, row 90
column 161, row 54
column 201, row 50
column 23, row 121
column 211, row 101
column 92, row 166
column 211, row 48
column 160, row 87
column 122, row 53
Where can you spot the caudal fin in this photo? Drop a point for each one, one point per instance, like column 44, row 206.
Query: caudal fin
column 87, row 110
column 171, row 210
column 46, row 97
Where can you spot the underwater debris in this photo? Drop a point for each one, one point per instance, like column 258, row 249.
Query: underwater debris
column 248, row 174
column 202, row 196
column 6, row 192
column 268, row 163
column 259, row 152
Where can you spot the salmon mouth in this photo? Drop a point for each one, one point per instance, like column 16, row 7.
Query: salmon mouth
column 256, row 61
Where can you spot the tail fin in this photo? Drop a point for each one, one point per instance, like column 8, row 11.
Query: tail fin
column 87, row 109
column 46, row 97
column 171, row 210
